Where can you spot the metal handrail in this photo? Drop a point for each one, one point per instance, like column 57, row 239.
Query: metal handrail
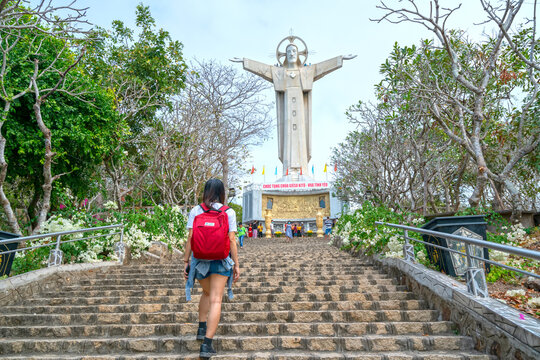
column 61, row 233
column 476, row 282
column 494, row 246
column 55, row 257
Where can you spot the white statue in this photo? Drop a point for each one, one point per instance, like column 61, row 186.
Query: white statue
column 293, row 81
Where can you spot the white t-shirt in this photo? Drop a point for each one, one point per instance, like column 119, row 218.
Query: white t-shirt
column 197, row 210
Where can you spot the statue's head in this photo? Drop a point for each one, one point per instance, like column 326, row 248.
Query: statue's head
column 291, row 52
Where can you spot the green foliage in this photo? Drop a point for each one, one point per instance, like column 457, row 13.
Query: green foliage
column 359, row 230
column 238, row 210
column 499, row 273
column 142, row 71
column 160, row 223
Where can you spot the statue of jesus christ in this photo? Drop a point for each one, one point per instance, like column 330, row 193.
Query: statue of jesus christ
column 293, row 82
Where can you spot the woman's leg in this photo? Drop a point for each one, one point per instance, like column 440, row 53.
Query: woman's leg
column 204, row 302
column 217, row 287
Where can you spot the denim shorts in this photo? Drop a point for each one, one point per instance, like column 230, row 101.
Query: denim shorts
column 216, row 267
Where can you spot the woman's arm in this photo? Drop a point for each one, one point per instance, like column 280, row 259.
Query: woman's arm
column 187, row 252
column 234, row 256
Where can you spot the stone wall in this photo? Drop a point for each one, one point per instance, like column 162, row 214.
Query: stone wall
column 496, row 329
column 19, row 288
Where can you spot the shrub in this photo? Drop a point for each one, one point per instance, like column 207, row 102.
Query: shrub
column 160, row 223
column 358, row 229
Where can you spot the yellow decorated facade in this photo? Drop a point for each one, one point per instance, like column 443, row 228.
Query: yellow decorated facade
column 295, row 207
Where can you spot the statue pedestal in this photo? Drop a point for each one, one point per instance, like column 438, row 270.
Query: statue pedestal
column 267, row 222
column 319, row 220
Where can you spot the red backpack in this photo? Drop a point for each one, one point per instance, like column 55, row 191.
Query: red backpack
column 210, row 240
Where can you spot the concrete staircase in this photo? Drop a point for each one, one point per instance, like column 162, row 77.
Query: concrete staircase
column 300, row 300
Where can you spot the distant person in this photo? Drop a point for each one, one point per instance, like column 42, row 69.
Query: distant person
column 288, row 230
column 241, row 234
column 250, row 231
column 328, row 226
column 260, row 230
column 301, row 230
column 294, row 231
column 255, row 231
column 272, row 227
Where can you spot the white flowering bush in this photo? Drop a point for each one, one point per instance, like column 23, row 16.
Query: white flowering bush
column 137, row 240
column 162, row 223
column 110, row 205
column 358, row 229
column 57, row 223
column 516, row 234
column 395, row 247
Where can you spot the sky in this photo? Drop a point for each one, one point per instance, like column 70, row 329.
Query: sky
column 223, row 29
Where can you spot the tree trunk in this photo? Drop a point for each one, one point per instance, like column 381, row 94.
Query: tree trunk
column 497, row 203
column 6, row 205
column 47, row 164
column 481, row 175
column 33, row 205
column 457, row 187
column 225, row 166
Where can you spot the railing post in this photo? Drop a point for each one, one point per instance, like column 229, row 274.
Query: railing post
column 120, row 247
column 476, row 278
column 408, row 248
column 56, row 256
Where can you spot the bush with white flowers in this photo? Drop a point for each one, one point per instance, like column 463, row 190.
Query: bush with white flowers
column 161, row 223
column 358, row 229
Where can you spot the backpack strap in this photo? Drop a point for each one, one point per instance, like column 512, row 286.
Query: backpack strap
column 206, row 209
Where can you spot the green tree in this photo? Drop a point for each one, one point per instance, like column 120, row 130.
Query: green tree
column 142, row 71
column 41, row 80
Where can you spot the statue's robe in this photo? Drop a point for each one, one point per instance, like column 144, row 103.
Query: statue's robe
column 293, row 101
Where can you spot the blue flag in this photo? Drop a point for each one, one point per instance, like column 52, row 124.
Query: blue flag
column 276, row 170
column 313, row 169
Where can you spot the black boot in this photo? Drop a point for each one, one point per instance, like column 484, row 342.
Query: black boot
column 201, row 331
column 207, row 351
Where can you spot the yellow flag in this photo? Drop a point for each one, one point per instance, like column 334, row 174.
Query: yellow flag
column 263, row 170
column 324, row 168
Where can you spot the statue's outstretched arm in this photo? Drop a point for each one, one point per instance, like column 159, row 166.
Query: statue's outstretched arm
column 255, row 67
column 327, row 66
column 330, row 65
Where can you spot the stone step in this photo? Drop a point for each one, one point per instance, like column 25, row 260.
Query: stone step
column 241, row 283
column 236, row 306
column 253, row 267
column 176, row 296
column 179, row 344
column 287, row 285
column 244, row 278
column 231, row 329
column 276, row 355
column 248, row 316
column 127, row 290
